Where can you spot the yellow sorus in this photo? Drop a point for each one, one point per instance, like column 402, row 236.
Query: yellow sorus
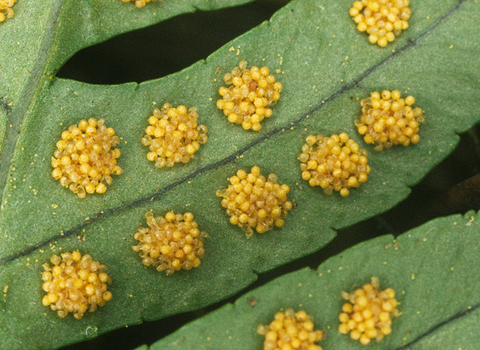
column 170, row 243
column 334, row 163
column 86, row 157
column 75, row 284
column 139, row 3
column 383, row 20
column 6, row 9
column 253, row 201
column 387, row 119
column 290, row 330
column 250, row 95
column 368, row 313
column 173, row 135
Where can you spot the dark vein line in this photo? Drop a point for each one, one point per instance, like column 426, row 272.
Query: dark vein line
column 5, row 105
column 232, row 157
column 440, row 325
column 16, row 114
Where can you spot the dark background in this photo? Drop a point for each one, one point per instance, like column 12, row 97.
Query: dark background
column 150, row 53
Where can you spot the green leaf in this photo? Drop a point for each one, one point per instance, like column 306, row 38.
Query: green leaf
column 325, row 66
column 432, row 268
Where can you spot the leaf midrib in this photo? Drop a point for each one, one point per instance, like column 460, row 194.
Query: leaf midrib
column 232, row 157
column 38, row 75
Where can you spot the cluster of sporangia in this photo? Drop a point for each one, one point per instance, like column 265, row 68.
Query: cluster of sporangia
column 255, row 202
column 368, row 313
column 86, row 157
column 250, row 95
column 336, row 163
column 173, row 135
column 75, row 284
column 383, row 20
column 6, row 9
column 387, row 119
column 290, row 330
column 170, row 243
column 139, row 3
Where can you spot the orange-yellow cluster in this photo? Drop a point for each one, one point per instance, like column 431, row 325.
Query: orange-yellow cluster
column 383, row 20
column 173, row 135
column 336, row 163
column 6, row 9
column 387, row 119
column 139, row 3
column 368, row 313
column 255, row 202
column 75, row 284
column 250, row 95
column 290, row 330
column 86, row 157
column 170, row 243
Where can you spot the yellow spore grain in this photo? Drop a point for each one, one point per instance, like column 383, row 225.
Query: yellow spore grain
column 170, row 243
column 86, row 157
column 368, row 313
column 75, row 283
column 387, row 119
column 290, row 330
column 139, row 3
column 253, row 201
column 336, row 163
column 250, row 95
column 6, row 9
column 383, row 20
column 173, row 135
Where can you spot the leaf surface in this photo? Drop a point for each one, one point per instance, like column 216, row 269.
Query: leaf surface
column 433, row 268
column 325, row 66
